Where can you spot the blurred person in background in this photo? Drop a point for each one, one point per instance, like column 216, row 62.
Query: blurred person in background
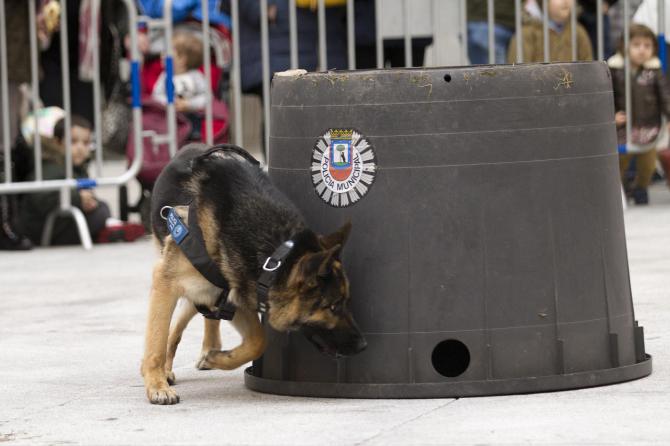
column 279, row 45
column 36, row 207
column 190, row 84
column 588, row 18
column 478, row 30
column 560, row 37
column 18, row 71
column 650, row 103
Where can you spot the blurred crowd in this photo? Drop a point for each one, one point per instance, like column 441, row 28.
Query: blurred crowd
column 643, row 152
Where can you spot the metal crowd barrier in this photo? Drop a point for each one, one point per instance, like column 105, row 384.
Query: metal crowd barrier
column 407, row 37
column 167, row 25
column 68, row 183
column 236, row 94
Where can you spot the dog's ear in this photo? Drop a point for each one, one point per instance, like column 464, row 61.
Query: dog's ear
column 321, row 263
column 326, row 266
column 306, row 241
column 338, row 237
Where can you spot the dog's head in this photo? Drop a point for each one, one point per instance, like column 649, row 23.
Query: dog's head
column 315, row 299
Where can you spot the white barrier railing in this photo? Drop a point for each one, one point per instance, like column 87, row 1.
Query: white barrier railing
column 68, row 183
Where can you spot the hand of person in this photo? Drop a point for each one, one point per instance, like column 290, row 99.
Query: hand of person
column 47, row 24
column 88, row 200
column 620, row 118
column 272, row 13
column 143, row 43
column 181, row 105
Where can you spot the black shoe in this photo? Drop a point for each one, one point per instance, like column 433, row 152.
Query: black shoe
column 640, row 196
column 11, row 241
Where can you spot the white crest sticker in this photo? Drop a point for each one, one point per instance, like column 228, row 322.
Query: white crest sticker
column 343, row 167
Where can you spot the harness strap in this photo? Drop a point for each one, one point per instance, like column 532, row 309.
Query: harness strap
column 269, row 274
column 190, row 241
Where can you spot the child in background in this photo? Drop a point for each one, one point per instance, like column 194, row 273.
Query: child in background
column 650, row 102
column 36, row 207
column 190, row 84
column 560, row 36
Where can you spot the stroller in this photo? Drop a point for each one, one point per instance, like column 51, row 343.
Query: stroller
column 156, row 154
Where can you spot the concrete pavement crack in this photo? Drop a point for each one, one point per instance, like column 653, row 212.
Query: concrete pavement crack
column 367, row 440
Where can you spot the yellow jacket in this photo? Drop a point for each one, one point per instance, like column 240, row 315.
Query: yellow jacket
column 313, row 4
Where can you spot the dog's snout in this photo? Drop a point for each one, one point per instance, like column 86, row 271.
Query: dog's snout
column 361, row 345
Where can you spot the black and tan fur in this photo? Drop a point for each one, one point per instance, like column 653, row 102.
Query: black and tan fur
column 243, row 219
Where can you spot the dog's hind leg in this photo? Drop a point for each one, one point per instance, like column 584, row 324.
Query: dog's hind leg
column 253, row 343
column 176, row 330
column 211, row 341
column 164, row 296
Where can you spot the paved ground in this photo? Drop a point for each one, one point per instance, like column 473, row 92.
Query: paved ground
column 71, row 333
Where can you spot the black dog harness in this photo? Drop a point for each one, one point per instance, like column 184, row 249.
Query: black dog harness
column 190, row 241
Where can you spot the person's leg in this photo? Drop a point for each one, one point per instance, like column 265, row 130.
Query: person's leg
column 9, row 238
column 503, row 36
column 624, row 162
column 478, row 38
column 646, row 165
column 97, row 219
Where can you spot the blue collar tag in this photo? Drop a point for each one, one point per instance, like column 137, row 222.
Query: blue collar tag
column 176, row 227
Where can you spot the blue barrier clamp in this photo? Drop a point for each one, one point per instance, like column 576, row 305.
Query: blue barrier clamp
column 662, row 52
column 135, row 82
column 622, row 149
column 169, row 85
column 86, row 183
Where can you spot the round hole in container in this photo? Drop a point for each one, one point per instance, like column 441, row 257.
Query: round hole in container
column 447, row 77
column 450, row 358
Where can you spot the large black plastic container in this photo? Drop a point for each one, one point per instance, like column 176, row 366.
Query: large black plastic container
column 488, row 252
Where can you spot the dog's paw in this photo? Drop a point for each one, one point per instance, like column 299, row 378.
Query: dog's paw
column 162, row 395
column 202, row 363
column 169, row 375
column 212, row 359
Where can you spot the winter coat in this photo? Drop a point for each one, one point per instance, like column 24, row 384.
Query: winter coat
column 36, row 207
column 650, row 97
column 280, row 52
column 560, row 44
column 503, row 10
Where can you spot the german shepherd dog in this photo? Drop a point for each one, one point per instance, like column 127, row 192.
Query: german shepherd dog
column 243, row 219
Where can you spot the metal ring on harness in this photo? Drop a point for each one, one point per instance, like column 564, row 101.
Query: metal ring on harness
column 164, row 217
column 275, row 268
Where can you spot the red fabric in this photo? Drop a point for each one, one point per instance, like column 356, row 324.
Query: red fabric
column 151, row 70
column 154, row 159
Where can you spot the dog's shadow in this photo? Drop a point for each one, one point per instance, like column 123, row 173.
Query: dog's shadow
column 215, row 386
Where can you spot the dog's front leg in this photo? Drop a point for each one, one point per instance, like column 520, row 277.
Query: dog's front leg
column 162, row 303
column 253, row 343
column 211, row 341
column 176, row 331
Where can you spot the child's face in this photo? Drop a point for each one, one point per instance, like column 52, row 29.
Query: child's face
column 81, row 145
column 640, row 50
column 180, row 65
column 559, row 10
